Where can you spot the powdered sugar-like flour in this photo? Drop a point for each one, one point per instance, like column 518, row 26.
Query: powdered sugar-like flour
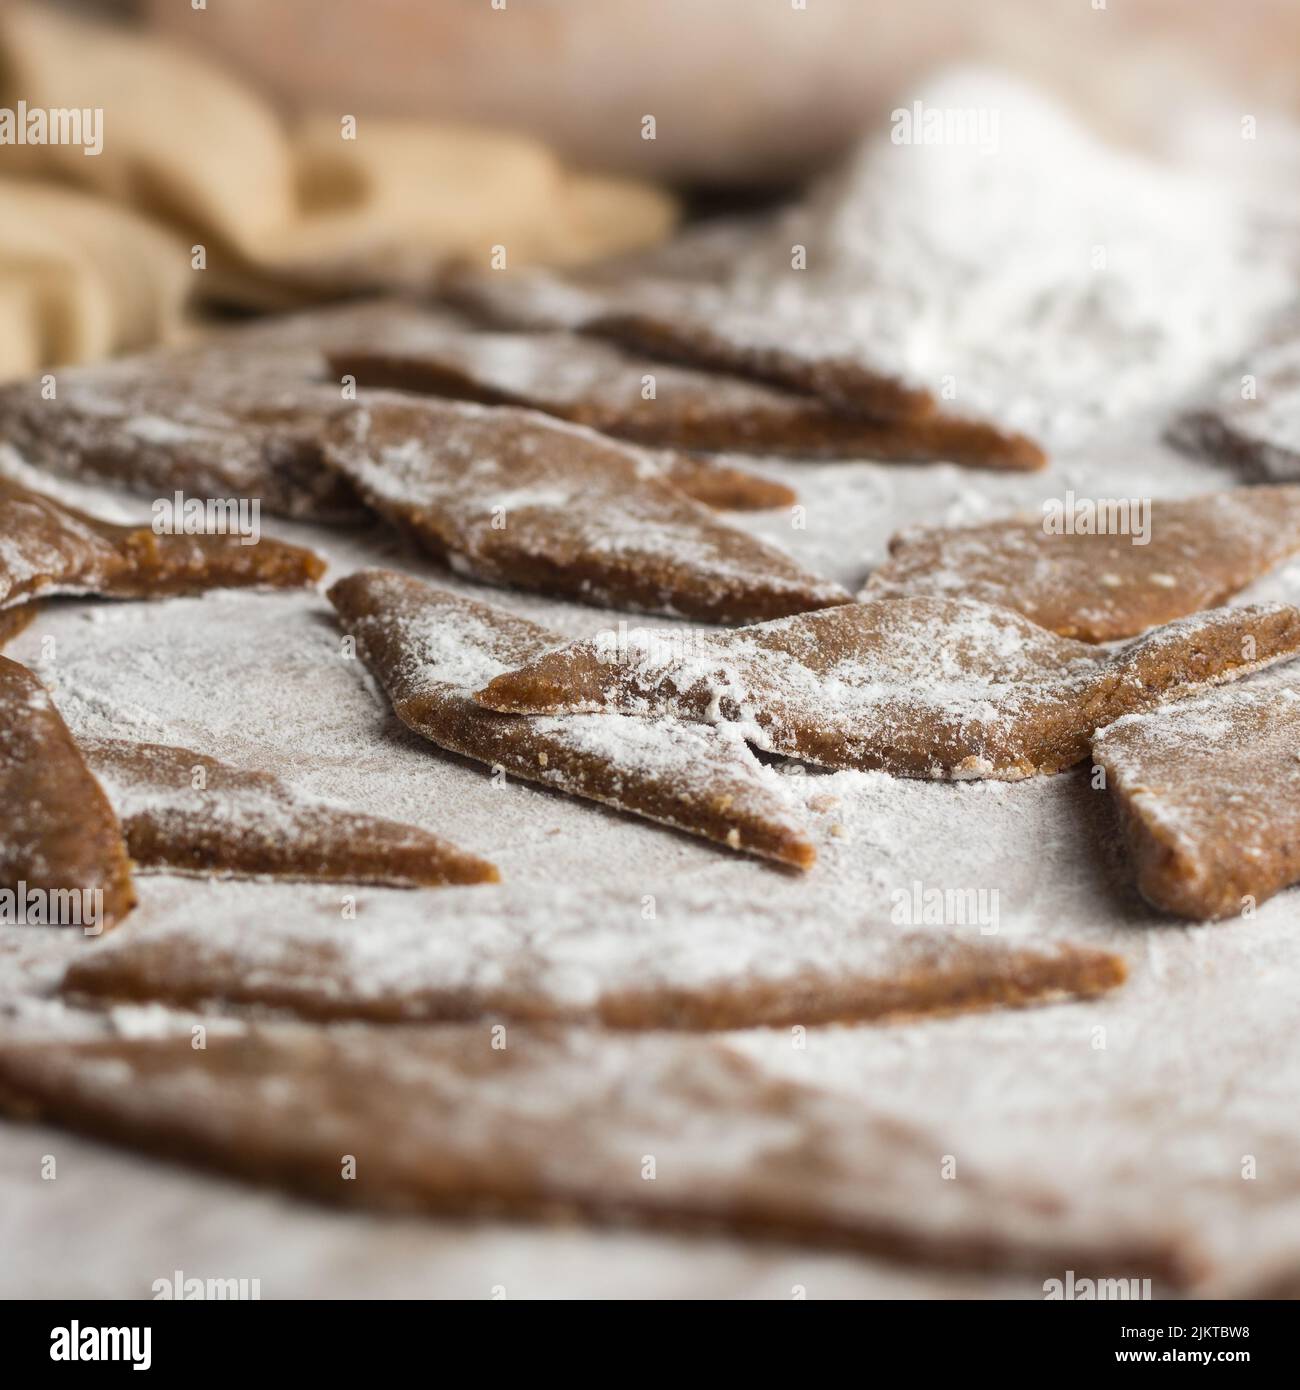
column 1139, row 1109
column 1014, row 265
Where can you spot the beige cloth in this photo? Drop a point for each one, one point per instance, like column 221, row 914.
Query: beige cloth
column 282, row 215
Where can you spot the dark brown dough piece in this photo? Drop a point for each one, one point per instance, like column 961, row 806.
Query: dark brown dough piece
column 922, row 687
column 430, row 650
column 50, row 548
column 839, row 380
column 1200, row 552
column 1209, row 798
column 58, row 834
column 251, row 823
column 651, row 1128
column 593, row 383
column 696, row 966
column 524, row 501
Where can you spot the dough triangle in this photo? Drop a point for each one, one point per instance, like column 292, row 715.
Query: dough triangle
column 58, row 835
column 1196, row 553
column 589, row 382
column 922, row 687
column 697, row 965
column 1208, row 794
column 1256, row 430
column 561, row 1122
column 520, row 500
column 50, row 548
column 252, row 823
column 215, row 422
column 430, row 650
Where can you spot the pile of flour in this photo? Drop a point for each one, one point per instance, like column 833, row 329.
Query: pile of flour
column 1019, row 267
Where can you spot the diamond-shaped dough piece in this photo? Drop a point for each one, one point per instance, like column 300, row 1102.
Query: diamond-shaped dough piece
column 1253, row 420
column 652, row 1128
column 184, row 812
column 922, row 687
column 430, row 650
column 58, row 835
column 49, row 548
column 589, row 382
column 517, row 499
column 1208, row 794
column 697, row 965
column 1098, row 587
column 223, row 422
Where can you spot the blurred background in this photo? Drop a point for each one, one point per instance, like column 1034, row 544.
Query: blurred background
column 260, row 156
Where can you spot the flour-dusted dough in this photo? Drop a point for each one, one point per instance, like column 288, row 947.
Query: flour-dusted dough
column 1197, row 553
column 588, row 382
column 1208, row 794
column 1253, row 419
column 455, row 956
column 221, row 423
column 185, row 812
column 521, row 500
column 546, row 1122
column 49, row 548
column 430, row 650
column 58, row 834
column 923, row 687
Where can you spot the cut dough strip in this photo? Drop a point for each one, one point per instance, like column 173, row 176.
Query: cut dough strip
column 220, row 422
column 252, row 823
column 59, row 838
column 666, row 306
column 438, row 958
column 520, row 500
column 570, row 1122
column 922, row 687
column 1198, row 552
column 1209, row 798
column 49, row 548
column 593, row 383
column 430, row 650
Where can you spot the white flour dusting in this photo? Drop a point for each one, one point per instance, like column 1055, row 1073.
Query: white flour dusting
column 1036, row 276
column 1193, row 1070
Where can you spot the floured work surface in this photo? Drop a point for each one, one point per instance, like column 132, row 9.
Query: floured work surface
column 1134, row 1112
column 1029, row 864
